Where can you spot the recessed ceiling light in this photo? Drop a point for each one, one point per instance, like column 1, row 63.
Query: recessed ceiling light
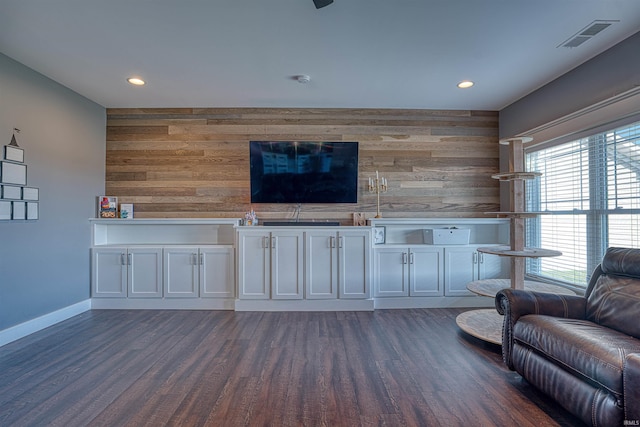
column 465, row 84
column 136, row 81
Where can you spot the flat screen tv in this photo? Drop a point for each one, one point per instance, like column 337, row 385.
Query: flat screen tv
column 303, row 172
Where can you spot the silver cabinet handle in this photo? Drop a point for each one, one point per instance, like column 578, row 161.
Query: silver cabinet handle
column 475, row 257
column 404, row 257
column 129, row 259
column 264, row 242
column 340, row 241
column 194, row 261
column 410, row 257
column 201, row 259
column 273, row 242
column 481, row 257
column 331, row 242
column 123, row 261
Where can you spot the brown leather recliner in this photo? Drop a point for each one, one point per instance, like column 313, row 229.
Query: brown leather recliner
column 582, row 351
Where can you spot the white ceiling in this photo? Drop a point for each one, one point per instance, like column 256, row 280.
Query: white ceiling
column 359, row 53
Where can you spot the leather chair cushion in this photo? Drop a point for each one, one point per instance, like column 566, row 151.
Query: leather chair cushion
column 614, row 303
column 586, row 349
column 621, row 261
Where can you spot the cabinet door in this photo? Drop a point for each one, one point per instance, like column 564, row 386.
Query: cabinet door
column 145, row 273
column 461, row 267
column 109, row 273
column 391, row 272
column 354, row 254
column 287, row 265
column 254, row 264
column 321, row 265
column 425, row 271
column 492, row 266
column 217, row 278
column 180, row 279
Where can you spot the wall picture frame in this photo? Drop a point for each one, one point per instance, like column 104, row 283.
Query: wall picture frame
column 18, row 210
column 13, row 173
column 379, row 235
column 5, row 210
column 32, row 211
column 10, row 192
column 30, row 193
column 14, row 154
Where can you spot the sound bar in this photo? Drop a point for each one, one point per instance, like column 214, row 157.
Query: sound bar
column 322, row 3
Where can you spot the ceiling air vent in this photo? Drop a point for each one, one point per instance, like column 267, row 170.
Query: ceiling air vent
column 586, row 33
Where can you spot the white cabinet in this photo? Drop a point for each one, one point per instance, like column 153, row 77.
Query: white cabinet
column 425, row 271
column 109, row 273
column 192, row 272
column 217, row 272
column 181, row 273
column 465, row 264
column 293, row 264
column 127, row 272
column 337, row 264
column 413, row 271
column 287, row 272
column 321, row 261
column 354, row 253
column 163, row 263
column 270, row 264
column 254, row 264
column 144, row 277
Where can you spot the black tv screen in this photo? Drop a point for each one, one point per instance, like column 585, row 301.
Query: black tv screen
column 303, row 172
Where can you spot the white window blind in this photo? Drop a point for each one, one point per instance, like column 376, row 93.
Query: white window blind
column 589, row 194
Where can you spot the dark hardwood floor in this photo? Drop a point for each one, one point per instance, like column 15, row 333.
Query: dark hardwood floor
column 224, row 368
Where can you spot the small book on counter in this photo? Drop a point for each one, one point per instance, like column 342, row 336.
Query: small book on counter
column 126, row 210
column 107, row 207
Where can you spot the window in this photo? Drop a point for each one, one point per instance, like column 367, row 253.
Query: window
column 589, row 194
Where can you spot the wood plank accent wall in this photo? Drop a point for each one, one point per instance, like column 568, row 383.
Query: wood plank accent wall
column 194, row 162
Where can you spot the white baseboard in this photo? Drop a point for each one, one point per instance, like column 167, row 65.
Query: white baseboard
column 433, row 302
column 305, row 305
column 23, row 329
column 162, row 304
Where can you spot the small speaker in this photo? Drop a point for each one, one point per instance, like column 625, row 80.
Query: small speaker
column 322, row 3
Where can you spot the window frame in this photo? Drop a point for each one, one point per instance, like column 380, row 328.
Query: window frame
column 598, row 146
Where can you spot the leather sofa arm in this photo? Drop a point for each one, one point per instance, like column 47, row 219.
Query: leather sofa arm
column 514, row 303
column 631, row 380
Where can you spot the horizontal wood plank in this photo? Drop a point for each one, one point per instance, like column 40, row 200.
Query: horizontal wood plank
column 196, row 160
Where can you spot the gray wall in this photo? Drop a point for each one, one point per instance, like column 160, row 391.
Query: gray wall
column 44, row 264
column 608, row 74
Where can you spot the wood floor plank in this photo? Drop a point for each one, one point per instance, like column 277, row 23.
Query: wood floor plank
column 223, row 368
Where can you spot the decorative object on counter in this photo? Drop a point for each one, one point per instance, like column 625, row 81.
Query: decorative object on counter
column 250, row 218
column 359, row 219
column 446, row 236
column 377, row 185
column 379, row 235
column 107, row 207
column 126, row 210
column 18, row 202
